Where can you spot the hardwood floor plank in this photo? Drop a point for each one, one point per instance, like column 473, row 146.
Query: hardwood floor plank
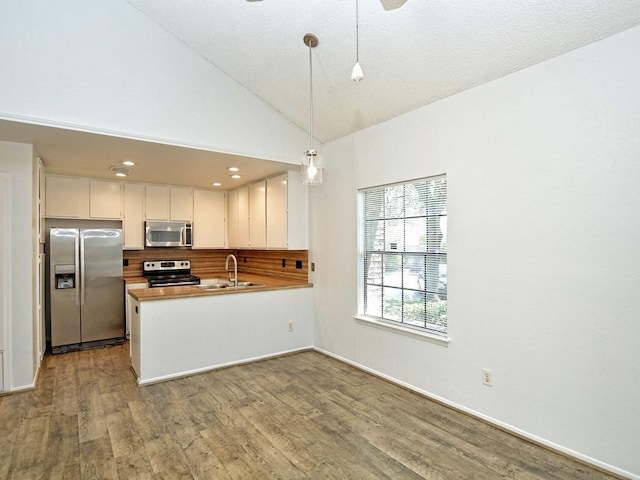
column 92, row 423
column 11, row 423
column 96, row 460
column 124, row 440
column 63, row 453
column 30, row 462
column 202, row 460
column 302, row 416
column 166, row 459
column 278, row 420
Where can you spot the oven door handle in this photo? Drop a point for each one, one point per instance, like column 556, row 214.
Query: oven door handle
column 174, row 284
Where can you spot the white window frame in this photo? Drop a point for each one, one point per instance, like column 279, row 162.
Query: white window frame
column 434, row 335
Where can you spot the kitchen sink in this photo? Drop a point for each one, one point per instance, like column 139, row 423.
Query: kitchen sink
column 214, row 286
column 219, row 283
column 250, row 284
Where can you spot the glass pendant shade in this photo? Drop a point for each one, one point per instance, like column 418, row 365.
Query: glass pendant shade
column 311, row 168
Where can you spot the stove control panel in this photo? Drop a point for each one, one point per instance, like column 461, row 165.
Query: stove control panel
column 165, row 265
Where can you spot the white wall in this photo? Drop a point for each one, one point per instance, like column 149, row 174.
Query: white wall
column 543, row 170
column 16, row 160
column 102, row 66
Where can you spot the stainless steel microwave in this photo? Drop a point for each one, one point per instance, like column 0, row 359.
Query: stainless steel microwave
column 168, row 234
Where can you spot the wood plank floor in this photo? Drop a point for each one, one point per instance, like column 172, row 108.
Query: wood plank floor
column 303, row 416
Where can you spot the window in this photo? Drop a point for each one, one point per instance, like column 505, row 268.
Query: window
column 403, row 253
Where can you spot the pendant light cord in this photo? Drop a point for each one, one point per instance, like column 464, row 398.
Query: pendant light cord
column 310, row 100
column 357, row 35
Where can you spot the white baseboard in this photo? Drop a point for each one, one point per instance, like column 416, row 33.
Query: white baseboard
column 173, row 376
column 496, row 423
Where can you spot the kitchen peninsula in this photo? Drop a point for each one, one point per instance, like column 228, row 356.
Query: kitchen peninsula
column 178, row 331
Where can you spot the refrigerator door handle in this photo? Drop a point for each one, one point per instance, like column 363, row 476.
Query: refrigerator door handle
column 77, row 255
column 81, row 290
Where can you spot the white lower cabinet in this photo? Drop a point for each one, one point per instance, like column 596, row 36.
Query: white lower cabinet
column 171, row 338
column 130, row 305
column 134, row 343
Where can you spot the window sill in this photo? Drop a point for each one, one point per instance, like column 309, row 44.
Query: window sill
column 411, row 332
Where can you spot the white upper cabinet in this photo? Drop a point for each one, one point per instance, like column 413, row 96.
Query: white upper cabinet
column 287, row 212
column 209, row 213
column 181, row 204
column 105, row 200
column 271, row 213
column 157, row 200
column 168, row 203
column 67, row 197
column 243, row 218
column 232, row 219
column 133, row 220
column 258, row 215
column 297, row 212
column 277, row 236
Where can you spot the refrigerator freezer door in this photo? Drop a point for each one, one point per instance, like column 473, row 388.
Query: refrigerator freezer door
column 101, row 285
column 65, row 304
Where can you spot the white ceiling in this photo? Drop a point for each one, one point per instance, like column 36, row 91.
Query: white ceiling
column 71, row 152
column 411, row 56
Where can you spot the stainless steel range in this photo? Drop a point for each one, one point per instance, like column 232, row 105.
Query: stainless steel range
column 169, row 273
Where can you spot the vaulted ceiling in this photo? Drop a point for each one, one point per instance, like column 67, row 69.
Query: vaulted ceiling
column 413, row 55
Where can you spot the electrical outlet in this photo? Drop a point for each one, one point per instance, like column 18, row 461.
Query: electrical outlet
column 487, row 377
column 291, row 325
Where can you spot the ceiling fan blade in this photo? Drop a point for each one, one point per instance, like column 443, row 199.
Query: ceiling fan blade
column 392, row 4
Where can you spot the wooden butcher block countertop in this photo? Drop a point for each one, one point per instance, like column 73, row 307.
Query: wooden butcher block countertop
column 265, row 284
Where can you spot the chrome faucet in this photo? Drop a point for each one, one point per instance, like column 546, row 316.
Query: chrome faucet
column 233, row 279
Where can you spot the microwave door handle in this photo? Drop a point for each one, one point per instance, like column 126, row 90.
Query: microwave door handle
column 183, row 235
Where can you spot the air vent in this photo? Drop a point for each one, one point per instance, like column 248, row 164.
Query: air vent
column 119, row 171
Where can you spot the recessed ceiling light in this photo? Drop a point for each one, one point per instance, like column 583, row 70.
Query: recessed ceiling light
column 216, row 184
column 128, row 163
column 233, row 169
column 235, row 176
column 120, row 174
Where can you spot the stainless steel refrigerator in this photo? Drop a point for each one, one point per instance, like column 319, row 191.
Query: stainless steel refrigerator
column 86, row 287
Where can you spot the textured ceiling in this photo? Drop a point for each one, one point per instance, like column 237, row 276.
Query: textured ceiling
column 411, row 56
column 418, row 53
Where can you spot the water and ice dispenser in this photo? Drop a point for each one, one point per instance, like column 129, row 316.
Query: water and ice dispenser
column 65, row 276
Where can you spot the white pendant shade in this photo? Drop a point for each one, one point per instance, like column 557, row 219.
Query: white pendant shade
column 357, row 74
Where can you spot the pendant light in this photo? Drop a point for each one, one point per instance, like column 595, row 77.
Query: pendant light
column 311, row 165
column 357, row 74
